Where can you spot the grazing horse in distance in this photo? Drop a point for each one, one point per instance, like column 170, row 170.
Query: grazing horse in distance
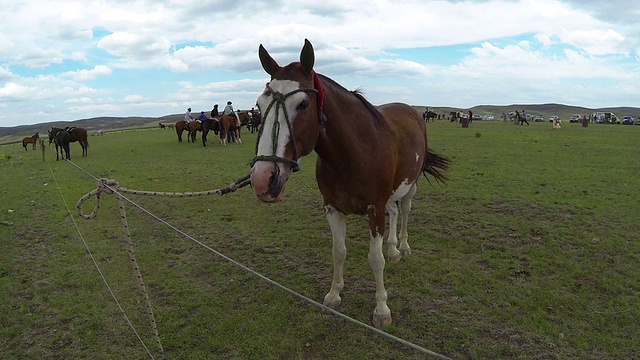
column 31, row 140
column 230, row 124
column 162, row 126
column 369, row 160
column 77, row 134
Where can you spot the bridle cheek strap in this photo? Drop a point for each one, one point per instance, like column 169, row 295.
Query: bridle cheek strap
column 279, row 102
column 317, row 84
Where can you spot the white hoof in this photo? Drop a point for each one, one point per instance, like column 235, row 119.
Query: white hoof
column 381, row 321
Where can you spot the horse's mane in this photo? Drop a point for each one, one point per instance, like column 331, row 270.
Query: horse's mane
column 379, row 119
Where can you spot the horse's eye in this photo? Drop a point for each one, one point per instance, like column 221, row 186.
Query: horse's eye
column 304, row 105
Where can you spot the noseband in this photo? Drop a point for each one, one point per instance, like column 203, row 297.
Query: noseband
column 279, row 101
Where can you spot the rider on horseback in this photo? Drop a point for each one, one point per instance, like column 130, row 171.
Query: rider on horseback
column 187, row 116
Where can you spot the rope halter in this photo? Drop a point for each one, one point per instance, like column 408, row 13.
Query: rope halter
column 278, row 99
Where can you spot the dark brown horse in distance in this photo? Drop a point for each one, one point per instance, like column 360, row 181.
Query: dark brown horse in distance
column 61, row 138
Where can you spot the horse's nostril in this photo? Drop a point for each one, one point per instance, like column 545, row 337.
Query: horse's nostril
column 275, row 184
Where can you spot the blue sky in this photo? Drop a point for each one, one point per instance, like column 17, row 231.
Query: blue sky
column 70, row 60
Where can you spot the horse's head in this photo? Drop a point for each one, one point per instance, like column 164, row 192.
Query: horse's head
column 290, row 105
column 52, row 134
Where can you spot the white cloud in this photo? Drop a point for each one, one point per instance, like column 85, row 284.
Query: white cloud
column 134, row 45
column 14, row 91
column 134, row 98
column 5, row 74
column 544, row 39
column 81, row 75
column 596, row 41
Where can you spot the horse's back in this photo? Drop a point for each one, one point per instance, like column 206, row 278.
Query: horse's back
column 404, row 123
column 407, row 139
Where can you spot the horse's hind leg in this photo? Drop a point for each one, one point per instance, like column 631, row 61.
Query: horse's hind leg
column 381, row 313
column 405, row 208
column 392, row 241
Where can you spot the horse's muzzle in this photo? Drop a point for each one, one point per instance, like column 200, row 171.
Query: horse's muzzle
column 268, row 181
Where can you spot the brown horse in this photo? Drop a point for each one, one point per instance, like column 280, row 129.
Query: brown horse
column 230, row 124
column 191, row 128
column 209, row 124
column 244, row 117
column 76, row 134
column 369, row 160
column 61, row 138
column 31, row 140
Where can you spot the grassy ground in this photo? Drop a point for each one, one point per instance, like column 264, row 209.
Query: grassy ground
column 530, row 251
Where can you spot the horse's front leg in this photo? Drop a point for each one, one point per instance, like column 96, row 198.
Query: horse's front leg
column 338, row 224
column 382, row 313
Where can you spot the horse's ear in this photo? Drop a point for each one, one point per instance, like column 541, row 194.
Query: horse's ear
column 268, row 64
column 307, row 58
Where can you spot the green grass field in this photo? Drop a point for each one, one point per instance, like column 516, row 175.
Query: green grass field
column 530, row 251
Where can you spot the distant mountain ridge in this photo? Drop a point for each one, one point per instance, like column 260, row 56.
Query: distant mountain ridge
column 9, row 134
column 93, row 124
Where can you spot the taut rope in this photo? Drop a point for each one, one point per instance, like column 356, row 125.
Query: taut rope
column 111, row 187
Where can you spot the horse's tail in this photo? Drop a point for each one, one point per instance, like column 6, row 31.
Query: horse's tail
column 436, row 166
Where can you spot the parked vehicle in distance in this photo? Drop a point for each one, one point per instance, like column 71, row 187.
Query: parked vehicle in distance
column 553, row 118
column 575, row 118
column 477, row 117
column 539, row 118
column 488, row 117
column 606, row 118
column 628, row 120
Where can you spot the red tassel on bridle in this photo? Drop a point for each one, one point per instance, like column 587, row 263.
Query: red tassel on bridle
column 320, row 96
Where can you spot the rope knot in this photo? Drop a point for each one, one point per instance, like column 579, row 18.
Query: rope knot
column 279, row 97
column 106, row 186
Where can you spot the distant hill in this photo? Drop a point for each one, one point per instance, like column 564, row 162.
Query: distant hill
column 15, row 134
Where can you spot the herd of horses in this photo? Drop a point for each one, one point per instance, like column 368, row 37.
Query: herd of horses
column 228, row 127
column 62, row 138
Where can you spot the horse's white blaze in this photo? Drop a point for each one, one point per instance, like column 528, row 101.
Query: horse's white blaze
column 265, row 145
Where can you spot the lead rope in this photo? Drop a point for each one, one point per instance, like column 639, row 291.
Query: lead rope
column 112, row 187
column 138, row 275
